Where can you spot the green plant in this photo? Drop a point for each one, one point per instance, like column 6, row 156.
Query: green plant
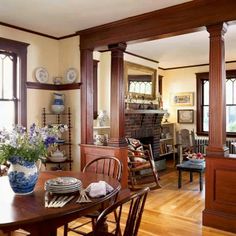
column 31, row 145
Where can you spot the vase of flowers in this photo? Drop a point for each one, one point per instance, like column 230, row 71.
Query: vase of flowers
column 22, row 150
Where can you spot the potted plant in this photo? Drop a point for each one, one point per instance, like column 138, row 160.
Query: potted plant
column 23, row 149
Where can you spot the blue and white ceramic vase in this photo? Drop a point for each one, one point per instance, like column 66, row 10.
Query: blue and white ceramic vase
column 22, row 175
column 58, row 103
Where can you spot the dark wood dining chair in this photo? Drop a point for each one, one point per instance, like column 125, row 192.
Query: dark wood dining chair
column 110, row 166
column 132, row 223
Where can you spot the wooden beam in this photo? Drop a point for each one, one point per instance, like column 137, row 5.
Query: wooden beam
column 182, row 18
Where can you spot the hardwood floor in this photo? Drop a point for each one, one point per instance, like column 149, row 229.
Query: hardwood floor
column 170, row 211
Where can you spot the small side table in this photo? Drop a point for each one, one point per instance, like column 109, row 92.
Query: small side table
column 191, row 167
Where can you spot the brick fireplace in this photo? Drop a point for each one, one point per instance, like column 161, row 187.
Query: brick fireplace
column 145, row 126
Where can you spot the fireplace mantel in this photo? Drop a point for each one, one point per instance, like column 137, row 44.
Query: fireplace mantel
column 146, row 111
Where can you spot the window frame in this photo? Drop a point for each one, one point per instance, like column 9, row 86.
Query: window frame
column 200, row 77
column 20, row 49
column 15, row 83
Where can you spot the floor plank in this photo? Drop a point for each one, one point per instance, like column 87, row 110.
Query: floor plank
column 170, row 211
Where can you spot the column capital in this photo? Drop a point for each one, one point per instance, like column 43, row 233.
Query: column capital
column 218, row 29
column 118, row 46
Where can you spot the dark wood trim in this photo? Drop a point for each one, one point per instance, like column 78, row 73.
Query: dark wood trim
column 160, row 80
column 190, row 16
column 20, row 49
column 15, row 92
column 35, row 85
column 199, row 80
column 27, row 30
column 95, row 89
column 142, row 57
column 67, row 36
column 9, row 44
column 189, row 66
column 167, row 68
column 86, row 60
column 184, row 67
column 220, row 204
column 38, row 33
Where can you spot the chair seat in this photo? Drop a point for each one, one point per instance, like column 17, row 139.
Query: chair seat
column 142, row 166
column 94, row 214
column 102, row 234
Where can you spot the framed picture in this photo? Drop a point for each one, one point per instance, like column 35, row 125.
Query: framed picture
column 183, row 99
column 185, row 116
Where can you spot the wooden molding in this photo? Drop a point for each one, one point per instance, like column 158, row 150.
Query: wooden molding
column 142, row 57
column 20, row 49
column 35, row 85
column 37, row 33
column 220, row 203
column 178, row 19
column 27, row 30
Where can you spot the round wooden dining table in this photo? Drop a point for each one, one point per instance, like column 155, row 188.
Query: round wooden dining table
column 28, row 212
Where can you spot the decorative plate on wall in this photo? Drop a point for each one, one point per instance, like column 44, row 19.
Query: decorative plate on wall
column 71, row 75
column 41, row 75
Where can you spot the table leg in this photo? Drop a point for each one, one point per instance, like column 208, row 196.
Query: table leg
column 191, row 176
column 180, row 179
column 200, row 180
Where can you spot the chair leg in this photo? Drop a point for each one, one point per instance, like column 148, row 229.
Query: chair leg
column 118, row 223
column 93, row 223
column 65, row 229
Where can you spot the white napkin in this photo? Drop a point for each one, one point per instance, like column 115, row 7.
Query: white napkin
column 99, row 189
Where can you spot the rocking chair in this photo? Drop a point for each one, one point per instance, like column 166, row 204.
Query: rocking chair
column 141, row 167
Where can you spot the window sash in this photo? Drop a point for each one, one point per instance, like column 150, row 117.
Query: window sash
column 20, row 50
column 203, row 106
column 8, row 85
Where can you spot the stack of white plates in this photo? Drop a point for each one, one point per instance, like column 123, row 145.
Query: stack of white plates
column 63, row 185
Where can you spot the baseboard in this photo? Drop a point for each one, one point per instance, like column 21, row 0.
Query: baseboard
column 219, row 220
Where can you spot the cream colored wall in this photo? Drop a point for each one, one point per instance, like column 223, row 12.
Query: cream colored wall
column 56, row 56
column 104, row 82
column 69, row 56
column 43, row 52
column 182, row 80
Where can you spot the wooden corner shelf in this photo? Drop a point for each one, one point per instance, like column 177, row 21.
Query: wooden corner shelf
column 35, row 85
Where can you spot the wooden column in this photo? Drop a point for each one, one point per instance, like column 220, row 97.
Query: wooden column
column 217, row 76
column 117, row 132
column 86, row 58
column 220, row 177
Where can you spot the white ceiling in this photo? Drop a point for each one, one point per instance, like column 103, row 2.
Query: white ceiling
column 64, row 17
column 184, row 50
